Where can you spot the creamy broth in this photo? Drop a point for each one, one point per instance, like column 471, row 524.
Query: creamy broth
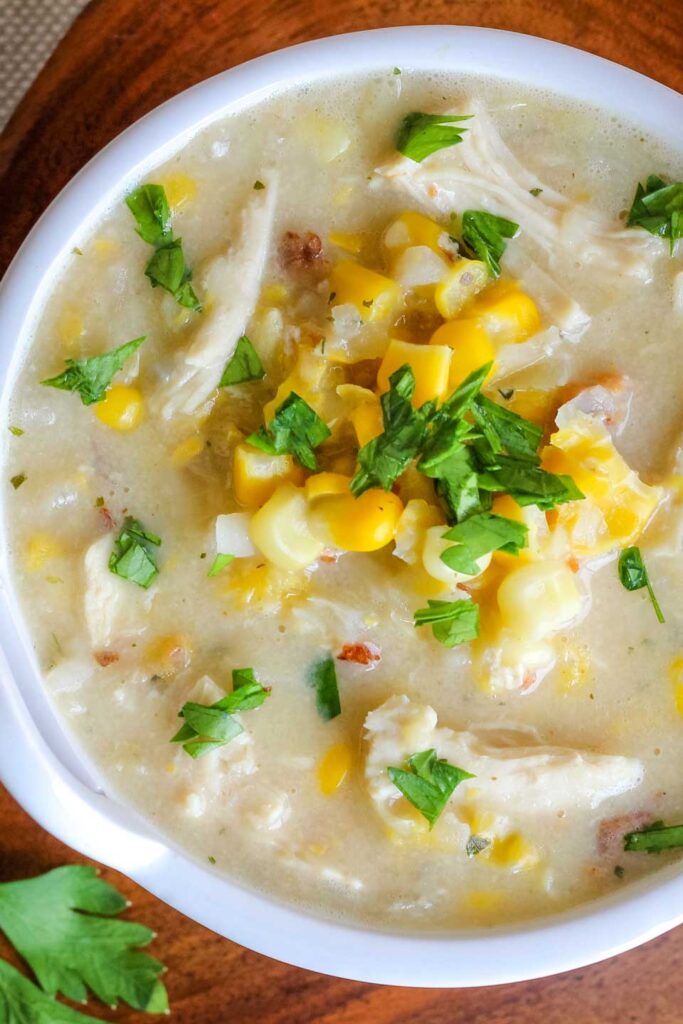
column 274, row 807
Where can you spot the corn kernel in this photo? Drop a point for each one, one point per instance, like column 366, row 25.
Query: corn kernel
column 513, row 852
column 322, row 485
column 483, row 901
column 350, row 241
column 334, row 767
column 168, row 655
column 507, row 312
column 471, row 345
column 429, row 363
column 40, row 549
column 281, row 531
column 256, row 474
column 368, row 421
column 121, row 408
column 366, row 523
column 70, row 329
column 413, row 228
column 105, row 247
column 180, row 189
column 463, row 282
column 187, row 450
column 676, row 676
column 274, row 294
column 412, row 527
column 374, row 296
column 539, row 598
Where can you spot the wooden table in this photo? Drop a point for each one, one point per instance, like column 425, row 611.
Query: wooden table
column 120, row 59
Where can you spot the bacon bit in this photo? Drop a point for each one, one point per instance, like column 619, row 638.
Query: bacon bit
column 432, row 191
column 573, row 562
column 105, row 658
column 528, row 682
column 611, row 831
column 360, row 654
column 552, row 518
column 329, row 558
column 300, row 251
column 106, row 517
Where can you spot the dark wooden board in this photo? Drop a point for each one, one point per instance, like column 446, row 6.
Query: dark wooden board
column 121, row 59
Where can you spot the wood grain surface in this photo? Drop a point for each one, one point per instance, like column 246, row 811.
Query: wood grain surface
column 120, row 59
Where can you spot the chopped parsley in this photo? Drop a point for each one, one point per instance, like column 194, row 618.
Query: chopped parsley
column 428, row 783
column 167, row 268
column 219, row 563
column 384, row 458
column 131, row 557
column 17, row 481
column 396, row 71
column 296, row 429
column 258, row 186
column 654, row 838
column 243, row 365
column 658, row 207
column 478, row 535
column 420, row 135
column 452, row 622
column 484, row 235
column 475, row 844
column 634, row 576
column 535, row 191
column 92, row 376
column 322, row 677
column 64, row 926
column 17, row 431
column 210, row 726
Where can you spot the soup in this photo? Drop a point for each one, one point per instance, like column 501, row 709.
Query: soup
column 343, row 501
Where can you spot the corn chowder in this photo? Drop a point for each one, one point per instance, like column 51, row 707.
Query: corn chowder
column 344, row 500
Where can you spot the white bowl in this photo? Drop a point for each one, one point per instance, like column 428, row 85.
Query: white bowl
column 38, row 764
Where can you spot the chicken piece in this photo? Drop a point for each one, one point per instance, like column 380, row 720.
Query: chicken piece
column 482, row 173
column 232, row 284
column 114, row 608
column 517, row 778
column 609, row 403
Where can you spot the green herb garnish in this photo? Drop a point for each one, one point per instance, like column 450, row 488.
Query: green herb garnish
column 478, row 535
column 18, row 480
column 296, row 429
column 484, row 235
column 63, row 924
column 258, row 186
column 383, row 459
column 634, row 576
column 654, row 838
column 475, row 844
column 210, row 726
column 658, row 208
column 167, row 268
column 243, row 365
column 219, row 563
column 17, row 431
column 322, row 677
column 423, row 134
column 452, row 622
column 428, row 783
column 396, row 71
column 92, row 376
column 131, row 558
column 535, row 191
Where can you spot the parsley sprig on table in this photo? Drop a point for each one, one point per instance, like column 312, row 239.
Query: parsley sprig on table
column 64, row 925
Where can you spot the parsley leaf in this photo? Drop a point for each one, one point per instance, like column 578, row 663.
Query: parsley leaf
column 18, row 480
column 62, row 923
column 484, row 235
column 654, row 838
column 479, row 535
column 322, row 677
column 529, row 484
column 423, row 134
column 149, row 206
column 452, row 622
column 448, row 430
column 383, row 459
column 167, row 269
column 244, row 364
column 457, row 484
column 17, row 431
column 219, row 563
column 22, row 1002
column 295, row 428
column 475, row 844
column 634, row 576
column 92, row 376
column 210, row 726
column 506, row 431
column 428, row 783
column 658, row 208
column 131, row 558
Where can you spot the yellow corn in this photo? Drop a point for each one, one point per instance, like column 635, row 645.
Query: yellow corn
column 471, row 345
column 334, row 767
column 256, row 474
column 513, row 852
column 274, row 294
column 121, row 408
column 281, row 532
column 106, row 247
column 374, row 296
column 40, row 549
column 538, row 598
column 322, row 485
column 412, row 527
column 366, row 523
column 70, row 329
column 180, row 189
column 168, row 655
column 187, row 450
column 350, row 241
column 507, row 312
column 413, row 228
column 367, row 421
column 676, row 676
column 461, row 284
column 429, row 363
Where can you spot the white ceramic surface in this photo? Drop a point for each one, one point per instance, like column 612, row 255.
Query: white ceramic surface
column 38, row 763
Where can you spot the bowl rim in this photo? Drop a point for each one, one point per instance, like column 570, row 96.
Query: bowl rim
column 56, row 784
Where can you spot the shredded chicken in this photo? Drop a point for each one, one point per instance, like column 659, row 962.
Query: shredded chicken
column 231, row 286
column 114, row 608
